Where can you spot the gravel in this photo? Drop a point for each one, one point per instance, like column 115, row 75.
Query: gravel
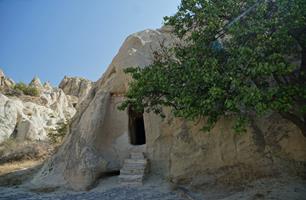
column 107, row 189
column 110, row 189
column 119, row 193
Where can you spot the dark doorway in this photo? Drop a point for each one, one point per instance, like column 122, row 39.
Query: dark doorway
column 136, row 127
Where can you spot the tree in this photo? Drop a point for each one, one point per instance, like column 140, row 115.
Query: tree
column 239, row 57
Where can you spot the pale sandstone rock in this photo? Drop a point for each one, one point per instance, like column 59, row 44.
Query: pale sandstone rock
column 8, row 82
column 9, row 112
column 32, row 118
column 99, row 127
column 5, row 82
column 99, row 139
column 76, row 87
column 29, row 121
column 1, row 74
column 36, row 83
column 73, row 100
column 26, row 130
column 48, row 86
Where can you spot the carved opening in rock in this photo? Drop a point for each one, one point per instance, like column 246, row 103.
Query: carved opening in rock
column 74, row 105
column 136, row 127
column 109, row 174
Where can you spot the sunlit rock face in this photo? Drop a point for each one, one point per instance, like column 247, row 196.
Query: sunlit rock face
column 48, row 86
column 100, row 136
column 22, row 119
column 5, row 82
column 36, row 83
column 25, row 117
column 76, row 87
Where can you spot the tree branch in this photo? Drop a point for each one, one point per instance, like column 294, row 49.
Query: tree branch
column 296, row 120
column 222, row 32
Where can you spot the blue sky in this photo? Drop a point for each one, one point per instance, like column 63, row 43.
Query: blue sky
column 54, row 38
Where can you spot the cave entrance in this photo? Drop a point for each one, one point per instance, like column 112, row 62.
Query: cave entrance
column 136, row 127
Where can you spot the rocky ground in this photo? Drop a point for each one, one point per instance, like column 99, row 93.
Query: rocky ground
column 108, row 189
column 156, row 189
column 264, row 189
column 120, row 193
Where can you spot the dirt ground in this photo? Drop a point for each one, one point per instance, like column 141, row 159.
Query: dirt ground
column 155, row 188
column 18, row 166
column 14, row 177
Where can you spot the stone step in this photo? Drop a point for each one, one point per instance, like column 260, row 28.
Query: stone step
column 140, row 161
column 137, row 155
column 131, row 178
column 131, row 166
column 135, row 163
column 133, row 170
column 127, row 171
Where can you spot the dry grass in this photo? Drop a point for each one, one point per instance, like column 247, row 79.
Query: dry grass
column 12, row 151
column 17, row 173
column 19, row 161
column 17, row 166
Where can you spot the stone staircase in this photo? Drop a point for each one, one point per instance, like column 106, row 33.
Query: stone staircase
column 134, row 170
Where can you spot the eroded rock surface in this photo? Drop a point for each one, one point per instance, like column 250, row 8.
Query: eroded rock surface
column 25, row 117
column 76, row 87
column 36, row 83
column 5, row 82
column 100, row 138
column 30, row 121
column 99, row 141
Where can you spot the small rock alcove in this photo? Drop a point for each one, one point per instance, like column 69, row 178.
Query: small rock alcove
column 137, row 132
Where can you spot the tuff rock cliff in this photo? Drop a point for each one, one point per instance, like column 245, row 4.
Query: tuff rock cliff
column 100, row 136
column 4, row 81
column 24, row 117
column 77, row 88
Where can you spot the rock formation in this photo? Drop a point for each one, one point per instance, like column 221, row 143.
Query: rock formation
column 48, row 86
column 4, row 81
column 31, row 118
column 36, row 83
column 102, row 137
column 76, row 87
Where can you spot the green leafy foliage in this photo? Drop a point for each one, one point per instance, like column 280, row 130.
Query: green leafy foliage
column 26, row 89
column 244, row 58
